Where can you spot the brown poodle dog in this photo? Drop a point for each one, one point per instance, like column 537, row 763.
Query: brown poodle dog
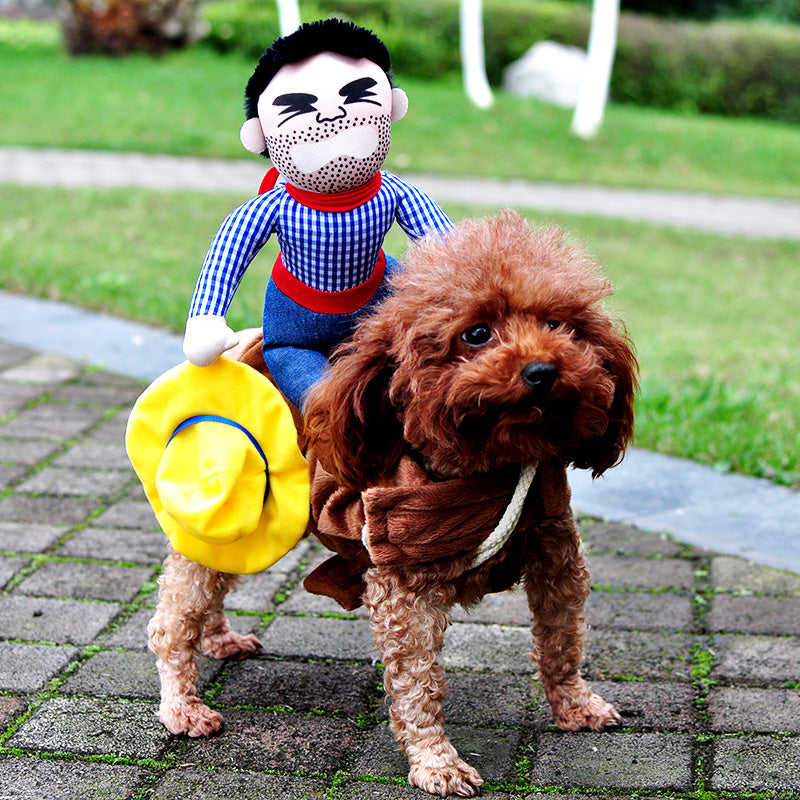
column 439, row 444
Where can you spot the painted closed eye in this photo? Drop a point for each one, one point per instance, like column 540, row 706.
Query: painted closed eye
column 296, row 103
column 478, row 335
column 358, row 91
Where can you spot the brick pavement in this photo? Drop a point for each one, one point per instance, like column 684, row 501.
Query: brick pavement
column 699, row 651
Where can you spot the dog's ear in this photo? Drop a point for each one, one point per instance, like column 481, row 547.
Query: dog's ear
column 599, row 453
column 350, row 420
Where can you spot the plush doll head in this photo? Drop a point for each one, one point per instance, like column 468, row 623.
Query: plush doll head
column 320, row 104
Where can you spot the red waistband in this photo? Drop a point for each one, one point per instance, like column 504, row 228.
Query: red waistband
column 322, row 302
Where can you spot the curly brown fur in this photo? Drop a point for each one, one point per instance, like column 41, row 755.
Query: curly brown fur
column 493, row 349
column 409, row 383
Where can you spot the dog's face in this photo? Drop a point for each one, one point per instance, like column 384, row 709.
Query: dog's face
column 492, row 349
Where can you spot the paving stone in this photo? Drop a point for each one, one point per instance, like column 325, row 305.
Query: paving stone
column 10, row 475
column 499, row 648
column 38, row 619
column 35, row 779
column 117, row 544
column 256, row 592
column 51, row 421
column 651, row 706
column 85, row 581
column 201, row 784
column 90, row 726
column 24, row 537
column 30, row 667
column 67, row 511
column 637, row 654
column 502, row 608
column 489, row 750
column 756, row 764
column 112, row 431
column 26, row 451
column 14, row 396
column 311, row 637
column 301, row 602
column 44, row 368
column 340, row 689
column 612, row 538
column 129, row 674
column 132, row 633
column 730, row 574
column 10, row 566
column 381, row 790
column 107, row 456
column 262, row 741
column 770, row 615
column 128, row 514
column 489, row 699
column 64, row 481
column 644, row 761
column 10, row 708
column 642, row 573
column 105, row 394
column 642, row 611
column 12, row 354
column 756, row 659
column 733, row 709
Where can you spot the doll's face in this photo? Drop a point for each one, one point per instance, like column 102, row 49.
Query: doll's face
column 326, row 121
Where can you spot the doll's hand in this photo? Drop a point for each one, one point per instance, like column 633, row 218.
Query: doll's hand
column 206, row 338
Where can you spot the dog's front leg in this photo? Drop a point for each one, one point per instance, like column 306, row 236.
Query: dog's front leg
column 408, row 625
column 188, row 618
column 557, row 584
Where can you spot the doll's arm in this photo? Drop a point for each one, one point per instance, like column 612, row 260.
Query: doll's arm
column 417, row 212
column 206, row 338
column 243, row 233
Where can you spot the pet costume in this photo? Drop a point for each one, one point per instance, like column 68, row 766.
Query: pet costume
column 331, row 266
column 216, row 451
column 417, row 519
column 320, row 104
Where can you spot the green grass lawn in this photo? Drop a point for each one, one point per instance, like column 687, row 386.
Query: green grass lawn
column 714, row 319
column 191, row 103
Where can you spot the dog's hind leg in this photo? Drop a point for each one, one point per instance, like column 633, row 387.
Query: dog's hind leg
column 557, row 584
column 408, row 625
column 188, row 616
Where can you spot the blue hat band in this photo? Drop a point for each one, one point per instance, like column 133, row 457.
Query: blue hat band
column 233, row 424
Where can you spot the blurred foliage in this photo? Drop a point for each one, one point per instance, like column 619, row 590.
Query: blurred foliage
column 774, row 10
column 727, row 67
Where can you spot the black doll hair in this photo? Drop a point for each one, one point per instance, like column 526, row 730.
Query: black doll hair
column 329, row 35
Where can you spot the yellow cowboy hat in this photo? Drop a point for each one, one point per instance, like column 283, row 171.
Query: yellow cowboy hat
column 216, row 450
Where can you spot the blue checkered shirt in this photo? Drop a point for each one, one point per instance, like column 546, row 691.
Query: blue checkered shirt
column 328, row 251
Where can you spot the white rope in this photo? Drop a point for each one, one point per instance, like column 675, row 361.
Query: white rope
column 508, row 522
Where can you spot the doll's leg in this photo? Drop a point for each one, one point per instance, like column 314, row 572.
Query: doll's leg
column 557, row 585
column 408, row 626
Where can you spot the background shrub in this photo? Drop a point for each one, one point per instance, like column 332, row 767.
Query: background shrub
column 723, row 67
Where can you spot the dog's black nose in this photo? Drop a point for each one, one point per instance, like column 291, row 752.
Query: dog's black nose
column 540, row 375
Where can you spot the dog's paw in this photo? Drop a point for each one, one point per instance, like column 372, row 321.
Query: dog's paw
column 590, row 712
column 192, row 718
column 230, row 645
column 458, row 779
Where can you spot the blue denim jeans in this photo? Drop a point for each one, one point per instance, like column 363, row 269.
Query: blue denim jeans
column 297, row 341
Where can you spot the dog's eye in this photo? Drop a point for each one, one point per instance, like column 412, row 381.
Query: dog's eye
column 477, row 335
column 553, row 324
